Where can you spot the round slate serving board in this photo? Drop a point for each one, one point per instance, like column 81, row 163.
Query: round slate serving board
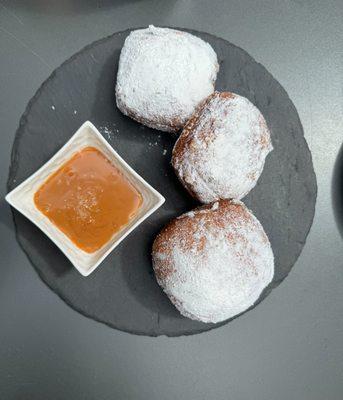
column 123, row 292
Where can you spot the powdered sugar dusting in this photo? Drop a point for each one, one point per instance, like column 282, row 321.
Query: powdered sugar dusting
column 215, row 206
column 163, row 75
column 214, row 265
column 189, row 214
column 109, row 131
column 222, row 150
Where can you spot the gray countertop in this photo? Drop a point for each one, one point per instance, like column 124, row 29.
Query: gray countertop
column 291, row 345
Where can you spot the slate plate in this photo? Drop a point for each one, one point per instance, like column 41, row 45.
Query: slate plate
column 123, row 292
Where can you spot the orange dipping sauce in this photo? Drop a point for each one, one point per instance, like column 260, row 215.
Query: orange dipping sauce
column 88, row 199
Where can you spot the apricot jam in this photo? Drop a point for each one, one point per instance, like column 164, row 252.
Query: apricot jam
column 88, row 199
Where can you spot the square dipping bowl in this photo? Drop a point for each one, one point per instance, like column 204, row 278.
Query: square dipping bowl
column 22, row 198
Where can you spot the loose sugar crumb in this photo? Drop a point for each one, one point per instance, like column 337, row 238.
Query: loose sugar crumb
column 109, row 131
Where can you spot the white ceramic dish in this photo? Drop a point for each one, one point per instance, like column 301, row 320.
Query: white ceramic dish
column 21, row 198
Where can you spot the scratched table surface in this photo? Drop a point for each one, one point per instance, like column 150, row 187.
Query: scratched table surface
column 291, row 345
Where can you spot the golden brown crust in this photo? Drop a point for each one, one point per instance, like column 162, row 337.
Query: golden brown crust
column 184, row 228
column 185, row 139
column 201, row 131
column 213, row 262
column 184, row 142
column 264, row 139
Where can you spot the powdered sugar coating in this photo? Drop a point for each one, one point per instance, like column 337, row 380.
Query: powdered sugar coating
column 222, row 149
column 215, row 262
column 163, row 75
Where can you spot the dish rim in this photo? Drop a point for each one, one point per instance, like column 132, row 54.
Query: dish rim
column 53, row 232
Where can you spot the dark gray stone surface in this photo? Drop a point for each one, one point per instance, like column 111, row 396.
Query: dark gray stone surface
column 123, row 292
